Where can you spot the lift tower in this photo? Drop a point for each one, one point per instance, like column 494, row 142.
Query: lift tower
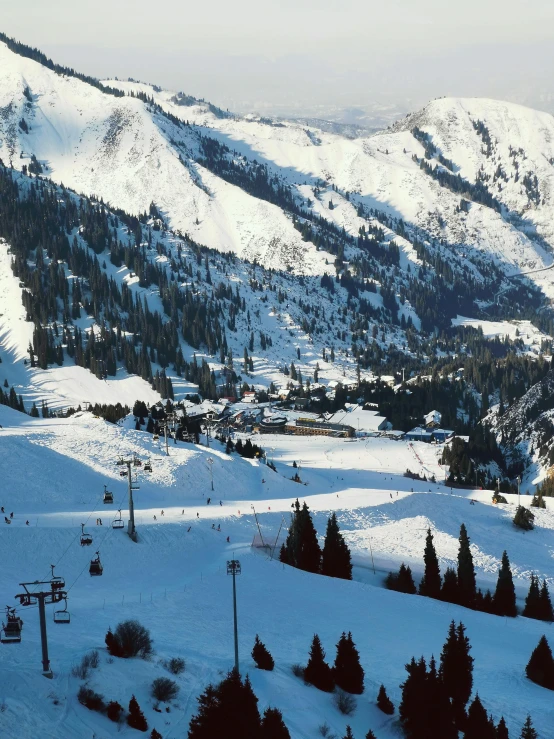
column 35, row 594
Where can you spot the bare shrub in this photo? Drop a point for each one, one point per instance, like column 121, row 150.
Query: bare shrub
column 94, row 658
column 164, row 689
column 90, row 699
column 131, row 639
column 298, row 670
column 175, row 665
column 345, row 702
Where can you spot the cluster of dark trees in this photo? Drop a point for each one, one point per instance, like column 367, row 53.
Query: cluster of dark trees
column 301, row 548
column 459, row 586
column 435, row 698
column 232, row 704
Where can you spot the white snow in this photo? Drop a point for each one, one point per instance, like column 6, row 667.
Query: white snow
column 173, row 580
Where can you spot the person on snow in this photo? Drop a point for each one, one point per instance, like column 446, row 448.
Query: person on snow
column 213, row 525
column 228, row 540
column 11, row 514
column 197, row 514
column 2, row 509
column 162, row 513
column 219, row 527
column 26, row 523
column 209, row 501
column 220, row 503
column 155, row 519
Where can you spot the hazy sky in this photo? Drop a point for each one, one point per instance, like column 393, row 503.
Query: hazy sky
column 332, row 57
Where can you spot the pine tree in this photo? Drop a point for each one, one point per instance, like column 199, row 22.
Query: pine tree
column 439, row 713
column 348, row 674
column 545, row 604
column 384, row 702
column 412, row 708
column 335, row 557
column 532, row 601
column 449, row 590
column 261, row 656
column 155, row 734
column 431, row 582
column 283, row 555
column 349, row 734
column 302, row 546
column 477, row 725
column 456, row 670
column 540, row 668
column 502, row 730
column 273, row 726
column 370, row 735
column 466, row 571
column 135, row 717
column 505, row 595
column 317, row 672
column 528, row 732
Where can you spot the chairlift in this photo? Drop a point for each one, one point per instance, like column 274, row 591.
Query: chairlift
column 155, row 437
column 96, row 566
column 108, row 496
column 137, row 462
column 117, row 523
column 86, row 539
column 56, row 583
column 62, row 616
column 11, row 629
column 123, row 473
column 147, row 466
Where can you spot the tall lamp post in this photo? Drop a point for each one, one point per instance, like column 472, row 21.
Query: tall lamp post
column 210, row 462
column 233, row 568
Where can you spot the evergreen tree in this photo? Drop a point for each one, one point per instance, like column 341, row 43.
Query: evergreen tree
column 232, row 703
column 155, row 734
column 335, row 558
column 384, row 702
column 348, row 674
column 283, row 555
column 449, row 590
column 466, row 571
column 317, row 672
column 349, row 734
column 430, row 584
column 439, row 714
column 412, row 708
column 504, row 601
column 273, row 726
column 370, row 735
column 528, row 732
column 545, row 610
column 533, row 600
column 135, row 717
column 477, row 725
column 502, row 730
column 456, row 670
column 302, row 546
column 402, row 581
column 261, row 656
column 540, row 668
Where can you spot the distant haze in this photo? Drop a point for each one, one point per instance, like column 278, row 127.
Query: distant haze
column 350, row 60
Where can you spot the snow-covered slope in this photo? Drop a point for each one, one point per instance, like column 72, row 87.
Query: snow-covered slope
column 174, row 579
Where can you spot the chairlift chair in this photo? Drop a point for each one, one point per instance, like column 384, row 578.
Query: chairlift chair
column 11, row 629
column 62, row 616
column 137, row 462
column 147, row 466
column 118, row 523
column 86, row 539
column 56, row 583
column 96, row 566
column 108, row 496
column 155, row 437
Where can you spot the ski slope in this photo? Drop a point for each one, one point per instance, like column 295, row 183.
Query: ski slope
column 174, row 579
